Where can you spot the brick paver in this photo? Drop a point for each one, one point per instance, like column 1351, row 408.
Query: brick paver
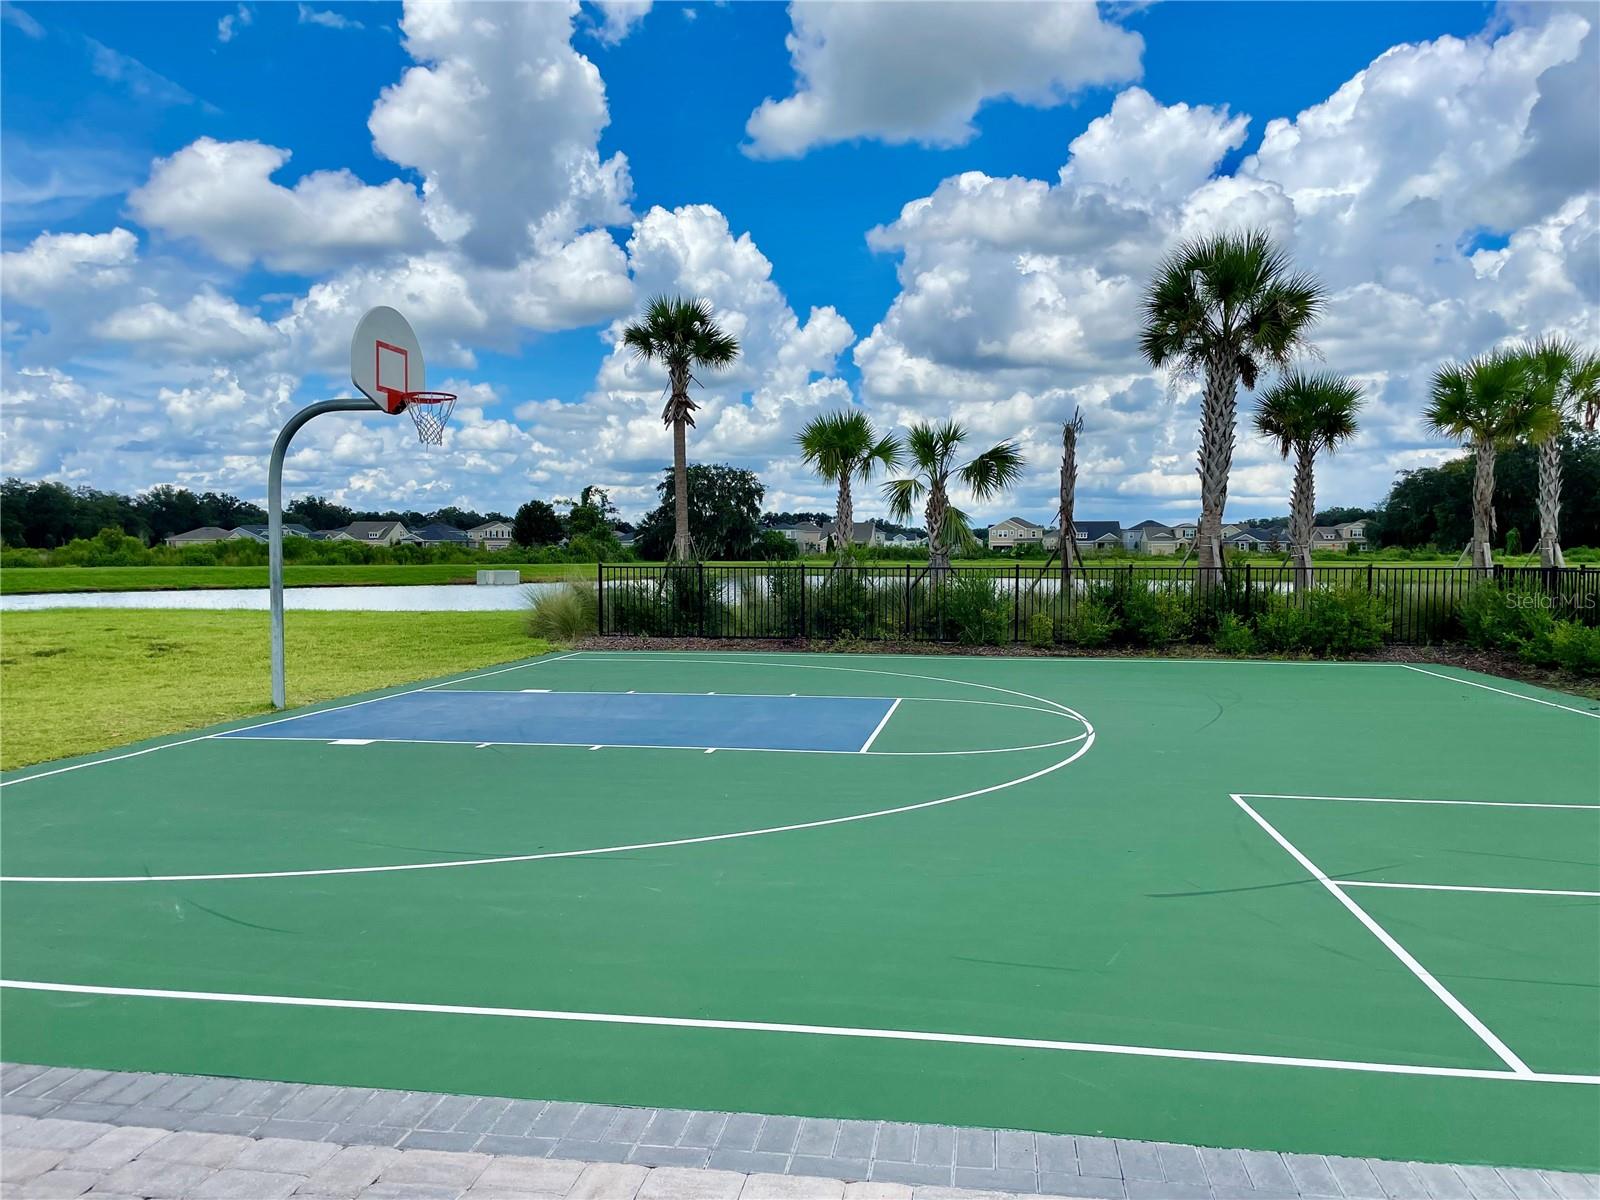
column 182, row 1137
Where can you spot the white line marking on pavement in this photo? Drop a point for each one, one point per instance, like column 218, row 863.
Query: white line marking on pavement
column 878, row 728
column 1394, row 947
column 1502, row 691
column 1461, row 887
column 351, row 742
column 898, row 1035
column 1397, row 800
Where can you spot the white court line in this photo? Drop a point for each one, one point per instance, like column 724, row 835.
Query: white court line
column 262, row 724
column 515, row 858
column 1397, row 800
column 878, row 728
column 1394, row 947
column 1514, row 695
column 352, row 741
column 844, row 1031
column 1461, row 887
column 326, row 741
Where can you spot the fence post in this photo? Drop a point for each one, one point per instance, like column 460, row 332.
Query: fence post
column 600, row 599
column 1369, row 579
column 802, row 600
column 1016, row 601
column 908, row 602
column 701, row 570
column 1249, row 594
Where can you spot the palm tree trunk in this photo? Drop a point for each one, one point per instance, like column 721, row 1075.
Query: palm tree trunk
column 681, row 547
column 1550, row 503
column 938, row 555
column 1217, row 420
column 1069, row 491
column 844, row 521
column 1302, row 513
column 1483, row 506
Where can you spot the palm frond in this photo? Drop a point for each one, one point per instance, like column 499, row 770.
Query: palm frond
column 904, row 495
column 957, row 532
column 1318, row 411
column 994, row 471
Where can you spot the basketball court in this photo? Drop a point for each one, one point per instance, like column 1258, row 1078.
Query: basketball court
column 1336, row 908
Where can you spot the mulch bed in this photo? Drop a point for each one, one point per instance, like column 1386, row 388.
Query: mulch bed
column 1488, row 662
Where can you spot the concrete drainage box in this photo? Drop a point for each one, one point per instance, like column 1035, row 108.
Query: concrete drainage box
column 499, row 578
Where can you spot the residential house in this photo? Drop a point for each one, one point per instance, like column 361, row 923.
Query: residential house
column 1255, row 540
column 625, row 538
column 259, row 532
column 1089, row 535
column 439, row 534
column 905, row 541
column 491, row 535
column 206, row 533
column 380, row 533
column 1014, row 532
column 807, row 535
column 1340, row 537
column 862, row 533
column 1133, row 537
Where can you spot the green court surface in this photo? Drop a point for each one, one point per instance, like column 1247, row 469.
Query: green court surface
column 1189, row 901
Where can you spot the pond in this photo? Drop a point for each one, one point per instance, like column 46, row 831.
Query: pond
column 411, row 598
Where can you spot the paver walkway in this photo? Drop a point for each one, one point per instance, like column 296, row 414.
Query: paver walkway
column 66, row 1132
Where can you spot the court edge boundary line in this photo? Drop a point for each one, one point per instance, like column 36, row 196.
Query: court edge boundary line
column 1422, row 973
column 847, row 1031
column 204, row 737
column 878, row 728
column 1594, row 716
column 327, row 741
column 1462, row 887
column 1088, row 743
column 1401, row 800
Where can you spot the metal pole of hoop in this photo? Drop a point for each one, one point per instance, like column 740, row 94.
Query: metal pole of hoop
column 275, row 524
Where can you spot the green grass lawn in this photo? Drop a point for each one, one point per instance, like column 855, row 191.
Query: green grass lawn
column 73, row 681
column 24, row 580
column 20, row 580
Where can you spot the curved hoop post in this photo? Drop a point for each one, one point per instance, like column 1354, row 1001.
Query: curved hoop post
column 280, row 448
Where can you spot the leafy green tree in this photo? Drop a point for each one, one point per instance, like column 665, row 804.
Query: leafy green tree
column 681, row 335
column 931, row 451
column 537, row 524
column 842, row 447
column 1489, row 405
column 314, row 512
column 724, row 504
column 1306, row 415
column 1566, row 381
column 1227, row 308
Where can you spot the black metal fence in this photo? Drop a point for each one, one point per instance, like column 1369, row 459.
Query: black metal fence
column 998, row 603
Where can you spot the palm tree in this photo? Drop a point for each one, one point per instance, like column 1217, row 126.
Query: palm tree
column 842, row 447
column 1486, row 404
column 1225, row 307
column 1068, row 538
column 1306, row 414
column 1566, row 380
column 681, row 335
column 932, row 450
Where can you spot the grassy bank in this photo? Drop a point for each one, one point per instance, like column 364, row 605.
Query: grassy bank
column 73, row 681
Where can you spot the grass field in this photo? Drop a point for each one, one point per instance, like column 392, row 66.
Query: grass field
column 29, row 580
column 75, row 681
column 1310, row 907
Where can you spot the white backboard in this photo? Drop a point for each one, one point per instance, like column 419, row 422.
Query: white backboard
column 386, row 358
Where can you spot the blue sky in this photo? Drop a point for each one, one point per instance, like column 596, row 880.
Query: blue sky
column 199, row 199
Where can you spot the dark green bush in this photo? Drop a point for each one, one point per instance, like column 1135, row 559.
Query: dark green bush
column 1576, row 647
column 1041, row 631
column 839, row 604
column 1233, row 636
column 977, row 612
column 1154, row 617
column 562, row 614
column 1280, row 627
column 1339, row 621
column 1091, row 621
column 1511, row 619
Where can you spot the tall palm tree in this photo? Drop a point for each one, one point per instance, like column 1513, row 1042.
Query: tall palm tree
column 1225, row 307
column 843, row 447
column 1566, row 380
column 932, row 450
column 1486, row 404
column 1068, row 538
column 1306, row 414
column 682, row 336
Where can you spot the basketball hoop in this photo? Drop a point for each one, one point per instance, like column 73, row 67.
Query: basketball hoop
column 430, row 411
